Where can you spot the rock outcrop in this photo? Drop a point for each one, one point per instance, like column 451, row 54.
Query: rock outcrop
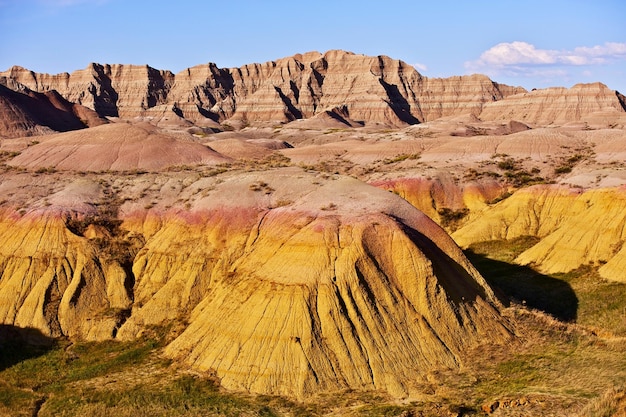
column 288, row 283
column 350, row 88
column 441, row 198
column 555, row 105
column 366, row 89
column 52, row 279
column 111, row 90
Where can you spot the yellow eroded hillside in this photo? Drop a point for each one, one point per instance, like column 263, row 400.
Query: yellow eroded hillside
column 575, row 228
column 54, row 280
column 282, row 282
column 320, row 303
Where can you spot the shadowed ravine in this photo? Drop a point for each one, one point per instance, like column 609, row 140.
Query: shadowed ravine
column 524, row 285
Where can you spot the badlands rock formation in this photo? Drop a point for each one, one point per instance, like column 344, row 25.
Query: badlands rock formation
column 27, row 113
column 348, row 88
column 111, row 90
column 556, row 105
column 291, row 283
column 297, row 280
column 119, row 147
column 366, row 89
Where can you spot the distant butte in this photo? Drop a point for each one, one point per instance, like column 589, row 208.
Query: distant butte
column 366, row 89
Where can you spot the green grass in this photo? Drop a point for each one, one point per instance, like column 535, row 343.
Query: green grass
column 573, row 354
column 71, row 379
column 64, row 364
column 602, row 303
column 185, row 395
column 580, row 296
column 522, row 284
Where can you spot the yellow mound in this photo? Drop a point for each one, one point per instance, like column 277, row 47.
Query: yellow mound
column 576, row 228
column 287, row 282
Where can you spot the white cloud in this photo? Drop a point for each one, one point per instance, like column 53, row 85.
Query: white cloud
column 520, row 57
column 420, row 67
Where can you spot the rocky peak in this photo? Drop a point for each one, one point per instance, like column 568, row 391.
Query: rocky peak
column 24, row 112
column 370, row 89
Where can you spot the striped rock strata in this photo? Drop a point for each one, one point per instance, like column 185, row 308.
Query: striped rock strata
column 366, row 89
column 557, row 105
column 111, row 90
column 28, row 113
column 286, row 282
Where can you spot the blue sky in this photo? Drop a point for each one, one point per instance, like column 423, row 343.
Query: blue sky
column 530, row 43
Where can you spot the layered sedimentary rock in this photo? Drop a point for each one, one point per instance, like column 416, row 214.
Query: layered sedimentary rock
column 111, row 90
column 51, row 278
column 54, row 281
column 441, row 97
column 556, row 105
column 367, row 89
column 288, row 283
column 575, row 228
column 28, row 113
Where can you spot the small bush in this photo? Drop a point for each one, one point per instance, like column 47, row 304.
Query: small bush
column 450, row 218
column 563, row 169
column 508, row 164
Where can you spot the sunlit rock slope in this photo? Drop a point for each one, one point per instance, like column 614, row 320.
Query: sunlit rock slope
column 575, row 228
column 286, row 282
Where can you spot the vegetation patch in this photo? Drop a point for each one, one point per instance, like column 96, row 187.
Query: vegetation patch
column 451, row 219
column 514, row 172
column 402, row 157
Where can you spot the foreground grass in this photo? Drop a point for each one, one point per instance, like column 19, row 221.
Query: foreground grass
column 114, row 378
column 573, row 328
column 580, row 296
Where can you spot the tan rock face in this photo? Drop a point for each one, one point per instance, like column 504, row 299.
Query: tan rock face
column 110, row 90
column 367, row 89
column 27, row 113
column 555, row 105
column 290, row 283
column 442, row 97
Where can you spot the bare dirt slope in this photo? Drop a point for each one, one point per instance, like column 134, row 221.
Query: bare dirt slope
column 117, row 146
